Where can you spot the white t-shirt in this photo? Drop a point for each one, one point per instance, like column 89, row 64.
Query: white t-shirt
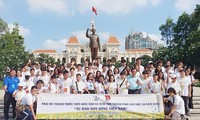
column 28, row 99
column 33, row 79
column 53, row 88
column 19, row 94
column 123, row 89
column 111, row 87
column 155, row 87
column 89, row 85
column 45, row 79
column 178, row 101
column 65, row 84
column 79, row 86
column 145, row 88
column 28, row 84
column 100, row 88
column 184, row 83
column 175, row 85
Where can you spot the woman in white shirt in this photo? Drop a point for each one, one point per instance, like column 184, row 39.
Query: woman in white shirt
column 155, row 85
column 101, row 86
column 145, row 88
column 122, row 84
column 112, row 86
column 90, row 84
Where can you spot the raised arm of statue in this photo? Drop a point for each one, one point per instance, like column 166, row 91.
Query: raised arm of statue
column 87, row 33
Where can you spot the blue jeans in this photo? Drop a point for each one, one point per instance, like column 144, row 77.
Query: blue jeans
column 25, row 115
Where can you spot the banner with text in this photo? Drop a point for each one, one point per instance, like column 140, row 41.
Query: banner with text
column 63, row 106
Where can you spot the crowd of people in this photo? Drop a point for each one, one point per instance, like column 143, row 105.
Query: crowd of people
column 173, row 82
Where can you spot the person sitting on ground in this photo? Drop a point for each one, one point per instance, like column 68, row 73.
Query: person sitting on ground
column 178, row 106
column 27, row 103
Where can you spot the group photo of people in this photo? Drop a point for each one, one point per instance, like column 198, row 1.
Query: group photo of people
column 174, row 82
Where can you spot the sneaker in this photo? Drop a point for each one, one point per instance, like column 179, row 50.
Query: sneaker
column 188, row 114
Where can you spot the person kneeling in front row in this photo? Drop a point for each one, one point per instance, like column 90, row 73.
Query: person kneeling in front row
column 27, row 102
column 178, row 107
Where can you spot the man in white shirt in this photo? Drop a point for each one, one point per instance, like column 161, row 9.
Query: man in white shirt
column 66, row 83
column 27, row 101
column 79, row 86
column 138, row 63
column 178, row 108
column 123, row 65
column 185, row 93
column 33, row 78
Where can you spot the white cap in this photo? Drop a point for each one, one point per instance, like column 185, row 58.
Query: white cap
column 150, row 62
column 21, row 84
column 51, row 69
column 173, row 76
column 28, row 73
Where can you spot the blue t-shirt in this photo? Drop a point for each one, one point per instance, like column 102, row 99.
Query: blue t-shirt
column 132, row 82
column 11, row 83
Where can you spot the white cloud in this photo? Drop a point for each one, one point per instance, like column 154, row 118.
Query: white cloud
column 186, row 5
column 1, row 3
column 57, row 6
column 115, row 6
column 22, row 30
column 55, row 44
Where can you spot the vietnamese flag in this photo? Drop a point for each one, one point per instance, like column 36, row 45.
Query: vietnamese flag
column 94, row 10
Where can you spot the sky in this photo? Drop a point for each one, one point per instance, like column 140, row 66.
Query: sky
column 48, row 24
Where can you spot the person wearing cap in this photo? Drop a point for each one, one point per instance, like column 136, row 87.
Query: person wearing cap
column 18, row 95
column 174, row 84
column 10, row 85
column 177, row 109
column 51, row 71
column 134, row 83
column 151, row 67
column 185, row 93
column 79, row 86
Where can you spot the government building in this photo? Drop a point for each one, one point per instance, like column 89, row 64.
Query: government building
column 110, row 50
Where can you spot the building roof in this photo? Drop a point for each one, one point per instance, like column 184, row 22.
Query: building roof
column 113, row 39
column 44, row 51
column 139, row 50
column 73, row 40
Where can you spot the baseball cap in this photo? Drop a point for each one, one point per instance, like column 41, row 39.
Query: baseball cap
column 21, row 84
column 173, row 76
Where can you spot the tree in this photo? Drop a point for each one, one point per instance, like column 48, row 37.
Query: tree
column 12, row 51
column 45, row 58
column 185, row 42
column 146, row 59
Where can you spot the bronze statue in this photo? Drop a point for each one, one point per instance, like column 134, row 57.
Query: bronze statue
column 94, row 43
